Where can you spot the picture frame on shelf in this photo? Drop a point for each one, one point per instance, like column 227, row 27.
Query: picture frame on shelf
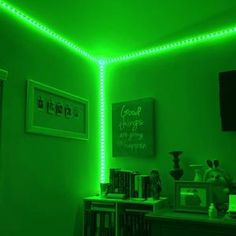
column 192, row 196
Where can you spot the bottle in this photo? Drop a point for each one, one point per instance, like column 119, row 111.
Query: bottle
column 212, row 211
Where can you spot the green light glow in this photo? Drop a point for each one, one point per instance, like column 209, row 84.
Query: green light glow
column 30, row 21
column 202, row 38
column 174, row 45
column 131, row 56
column 102, row 121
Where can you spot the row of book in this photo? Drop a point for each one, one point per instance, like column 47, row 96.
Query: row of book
column 130, row 183
column 133, row 224
column 99, row 223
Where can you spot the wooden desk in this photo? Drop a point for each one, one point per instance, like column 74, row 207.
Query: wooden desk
column 170, row 223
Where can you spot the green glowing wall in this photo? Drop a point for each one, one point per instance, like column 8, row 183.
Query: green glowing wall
column 184, row 84
column 44, row 179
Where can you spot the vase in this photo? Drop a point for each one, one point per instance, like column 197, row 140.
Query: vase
column 176, row 172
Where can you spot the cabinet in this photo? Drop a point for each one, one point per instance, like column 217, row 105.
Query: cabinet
column 169, row 223
column 117, row 217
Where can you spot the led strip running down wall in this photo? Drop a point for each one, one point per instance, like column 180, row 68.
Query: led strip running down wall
column 202, row 38
column 102, row 121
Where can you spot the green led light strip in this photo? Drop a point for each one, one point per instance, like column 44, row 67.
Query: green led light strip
column 30, row 21
column 174, row 45
column 102, row 121
column 142, row 53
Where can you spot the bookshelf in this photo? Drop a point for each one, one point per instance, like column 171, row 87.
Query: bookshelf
column 118, row 217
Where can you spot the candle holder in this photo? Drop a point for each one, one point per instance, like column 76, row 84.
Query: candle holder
column 198, row 172
column 176, row 172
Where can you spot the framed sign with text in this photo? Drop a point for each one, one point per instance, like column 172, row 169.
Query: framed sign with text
column 53, row 112
column 133, row 128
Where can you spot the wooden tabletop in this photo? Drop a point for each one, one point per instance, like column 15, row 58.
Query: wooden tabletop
column 171, row 215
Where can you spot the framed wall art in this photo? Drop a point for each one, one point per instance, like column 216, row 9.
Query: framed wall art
column 192, row 196
column 53, row 112
column 133, row 128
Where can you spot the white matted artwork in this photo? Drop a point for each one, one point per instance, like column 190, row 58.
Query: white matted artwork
column 192, row 196
column 54, row 112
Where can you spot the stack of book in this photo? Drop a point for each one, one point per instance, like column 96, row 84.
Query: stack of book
column 142, row 186
column 134, row 223
column 130, row 183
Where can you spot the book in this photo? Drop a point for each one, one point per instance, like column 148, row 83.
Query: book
column 114, row 180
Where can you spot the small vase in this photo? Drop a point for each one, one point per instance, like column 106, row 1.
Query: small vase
column 176, row 172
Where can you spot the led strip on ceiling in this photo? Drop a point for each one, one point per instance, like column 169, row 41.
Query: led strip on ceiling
column 220, row 34
column 174, row 45
column 30, row 21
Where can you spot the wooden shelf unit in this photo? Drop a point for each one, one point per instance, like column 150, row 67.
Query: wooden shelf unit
column 117, row 217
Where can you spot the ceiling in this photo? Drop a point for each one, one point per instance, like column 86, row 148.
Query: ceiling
column 112, row 28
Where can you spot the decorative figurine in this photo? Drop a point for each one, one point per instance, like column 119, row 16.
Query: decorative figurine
column 155, row 182
column 221, row 184
column 177, row 172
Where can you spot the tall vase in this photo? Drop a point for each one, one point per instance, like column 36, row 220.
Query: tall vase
column 176, row 172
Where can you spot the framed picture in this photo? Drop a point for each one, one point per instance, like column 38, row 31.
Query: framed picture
column 133, row 128
column 53, row 112
column 192, row 196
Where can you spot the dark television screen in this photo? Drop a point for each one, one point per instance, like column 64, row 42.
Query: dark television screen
column 227, row 88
